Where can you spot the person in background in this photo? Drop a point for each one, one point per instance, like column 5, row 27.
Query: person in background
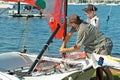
column 94, row 20
column 89, row 37
column 92, row 17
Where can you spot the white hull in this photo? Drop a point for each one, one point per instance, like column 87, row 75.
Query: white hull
column 74, row 75
column 14, row 63
column 110, row 61
column 4, row 76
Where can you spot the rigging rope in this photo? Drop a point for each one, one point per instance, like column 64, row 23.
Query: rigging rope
column 105, row 32
column 106, row 28
column 23, row 36
column 108, row 17
column 4, row 11
column 107, row 20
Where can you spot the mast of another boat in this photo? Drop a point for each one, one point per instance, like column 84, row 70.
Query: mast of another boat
column 18, row 8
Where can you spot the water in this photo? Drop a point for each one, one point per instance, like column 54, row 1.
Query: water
column 34, row 32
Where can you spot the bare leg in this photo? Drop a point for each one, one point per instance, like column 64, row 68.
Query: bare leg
column 99, row 74
column 108, row 73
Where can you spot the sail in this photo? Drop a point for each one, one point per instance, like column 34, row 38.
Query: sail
column 55, row 13
column 30, row 2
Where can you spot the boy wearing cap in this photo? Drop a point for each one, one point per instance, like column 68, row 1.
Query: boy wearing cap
column 94, row 20
column 89, row 37
column 92, row 17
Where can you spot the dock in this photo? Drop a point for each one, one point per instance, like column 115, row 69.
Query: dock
column 14, row 13
column 25, row 15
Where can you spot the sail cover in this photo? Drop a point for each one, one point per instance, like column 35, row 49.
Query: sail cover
column 54, row 11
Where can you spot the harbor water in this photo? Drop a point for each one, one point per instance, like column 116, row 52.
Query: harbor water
column 33, row 33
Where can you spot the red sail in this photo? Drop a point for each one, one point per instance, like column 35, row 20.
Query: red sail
column 31, row 2
column 55, row 10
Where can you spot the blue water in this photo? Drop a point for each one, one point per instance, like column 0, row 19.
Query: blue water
column 34, row 32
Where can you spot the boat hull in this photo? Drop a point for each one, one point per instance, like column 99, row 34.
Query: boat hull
column 49, row 71
column 74, row 75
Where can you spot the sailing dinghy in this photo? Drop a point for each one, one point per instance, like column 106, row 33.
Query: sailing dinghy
column 16, row 66
column 19, row 66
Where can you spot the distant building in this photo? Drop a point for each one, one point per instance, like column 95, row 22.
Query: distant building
column 94, row 1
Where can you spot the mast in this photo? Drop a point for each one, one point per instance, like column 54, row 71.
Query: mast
column 65, row 10
column 43, row 50
column 18, row 7
column 49, row 41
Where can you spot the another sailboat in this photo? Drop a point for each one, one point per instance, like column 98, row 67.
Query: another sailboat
column 18, row 12
column 24, row 10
